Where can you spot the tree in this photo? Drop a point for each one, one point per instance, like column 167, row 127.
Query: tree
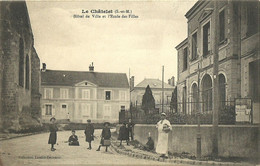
column 174, row 104
column 148, row 102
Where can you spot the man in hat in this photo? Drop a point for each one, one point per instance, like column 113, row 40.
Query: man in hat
column 53, row 133
column 89, row 132
column 164, row 127
column 105, row 135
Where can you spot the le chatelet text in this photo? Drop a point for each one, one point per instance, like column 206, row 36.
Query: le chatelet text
column 96, row 11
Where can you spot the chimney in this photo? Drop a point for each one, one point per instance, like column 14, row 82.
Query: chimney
column 43, row 67
column 132, row 82
column 91, row 67
column 171, row 81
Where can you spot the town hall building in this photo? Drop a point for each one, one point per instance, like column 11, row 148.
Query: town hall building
column 238, row 58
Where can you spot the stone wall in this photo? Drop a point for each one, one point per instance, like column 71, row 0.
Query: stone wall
column 16, row 33
column 233, row 141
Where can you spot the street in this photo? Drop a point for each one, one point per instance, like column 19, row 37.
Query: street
column 34, row 150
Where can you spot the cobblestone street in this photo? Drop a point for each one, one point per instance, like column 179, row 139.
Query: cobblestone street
column 34, row 150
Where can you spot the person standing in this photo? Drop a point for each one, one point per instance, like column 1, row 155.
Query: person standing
column 123, row 134
column 89, row 133
column 164, row 127
column 131, row 129
column 105, row 135
column 53, row 133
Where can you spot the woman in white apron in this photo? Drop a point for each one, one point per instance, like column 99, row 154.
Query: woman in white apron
column 164, row 127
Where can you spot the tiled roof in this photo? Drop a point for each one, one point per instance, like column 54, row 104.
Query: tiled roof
column 70, row 78
column 153, row 83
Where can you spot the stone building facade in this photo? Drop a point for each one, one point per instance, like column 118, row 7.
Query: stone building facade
column 19, row 68
column 238, row 50
column 76, row 96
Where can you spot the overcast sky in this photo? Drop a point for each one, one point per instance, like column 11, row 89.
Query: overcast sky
column 142, row 44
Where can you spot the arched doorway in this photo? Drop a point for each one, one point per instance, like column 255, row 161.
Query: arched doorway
column 207, row 93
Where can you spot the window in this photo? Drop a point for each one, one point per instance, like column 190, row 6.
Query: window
column 63, row 106
column 123, row 95
column 206, row 39
column 27, row 68
column 184, row 99
column 252, row 18
column 185, row 58
column 195, row 98
column 194, row 46
column 207, row 93
column 254, row 81
column 85, row 110
column 122, row 108
column 222, row 90
column 222, row 26
column 48, row 93
column 21, row 63
column 107, row 111
column 108, row 95
column 64, row 93
column 48, row 109
column 85, row 94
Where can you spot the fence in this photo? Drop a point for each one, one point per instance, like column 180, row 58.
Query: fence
column 186, row 113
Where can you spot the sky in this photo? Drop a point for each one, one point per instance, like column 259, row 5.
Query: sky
column 142, row 44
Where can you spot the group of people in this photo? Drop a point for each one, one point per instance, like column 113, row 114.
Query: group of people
column 89, row 133
column 125, row 131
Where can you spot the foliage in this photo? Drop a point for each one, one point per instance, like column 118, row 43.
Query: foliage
column 173, row 103
column 227, row 115
column 148, row 102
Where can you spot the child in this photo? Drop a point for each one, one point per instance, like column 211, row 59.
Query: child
column 123, row 134
column 105, row 135
column 89, row 132
column 73, row 139
column 53, row 133
column 149, row 146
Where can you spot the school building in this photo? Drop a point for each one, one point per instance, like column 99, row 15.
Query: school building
column 77, row 96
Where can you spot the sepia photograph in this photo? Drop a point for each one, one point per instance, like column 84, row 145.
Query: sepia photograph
column 129, row 82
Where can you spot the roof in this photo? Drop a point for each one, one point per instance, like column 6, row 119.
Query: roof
column 70, row 78
column 185, row 41
column 153, row 83
column 194, row 8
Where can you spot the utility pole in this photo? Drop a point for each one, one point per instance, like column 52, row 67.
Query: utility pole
column 130, row 96
column 198, row 114
column 215, row 80
column 162, row 88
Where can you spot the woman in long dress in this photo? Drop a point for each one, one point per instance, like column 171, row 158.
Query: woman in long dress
column 163, row 126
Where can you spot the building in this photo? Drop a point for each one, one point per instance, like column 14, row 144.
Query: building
column 156, row 86
column 19, row 68
column 238, row 51
column 81, row 95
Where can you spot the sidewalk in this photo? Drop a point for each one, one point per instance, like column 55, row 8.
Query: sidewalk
column 137, row 153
